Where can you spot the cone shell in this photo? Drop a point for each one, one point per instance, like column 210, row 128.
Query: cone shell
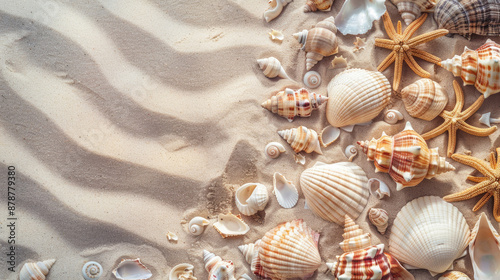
column 251, row 198
column 480, row 67
column 36, row 271
column 379, row 218
column 334, row 190
column 356, row 96
column 454, row 275
column 315, row 5
column 429, row 233
column 484, row 250
column 289, row 103
column 217, row 268
column 302, row 139
column 424, row 99
column 412, row 9
column 272, row 68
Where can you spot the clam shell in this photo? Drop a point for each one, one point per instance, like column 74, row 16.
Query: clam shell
column 231, row 225
column 412, row 9
column 357, row 16
column 379, row 218
column 285, row 191
column 315, row 5
column 275, row 9
column 334, row 190
column 251, row 198
column 329, row 135
column 217, row 268
column 183, row 271
column 424, row 99
column 289, row 103
column 356, row 96
column 454, row 275
column 132, row 270
column 484, row 250
column 312, row 79
column 272, row 68
column 36, row 271
column 302, row 139
column 197, row 225
column 378, row 188
column 429, row 233
column 92, row 271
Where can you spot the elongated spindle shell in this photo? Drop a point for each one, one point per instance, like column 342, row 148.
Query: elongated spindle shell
column 302, row 139
column 289, row 103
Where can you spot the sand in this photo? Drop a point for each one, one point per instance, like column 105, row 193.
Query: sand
column 125, row 119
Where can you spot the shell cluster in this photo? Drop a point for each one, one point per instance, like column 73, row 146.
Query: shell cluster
column 424, row 99
column 290, row 103
column 217, row 268
column 302, row 139
column 36, row 271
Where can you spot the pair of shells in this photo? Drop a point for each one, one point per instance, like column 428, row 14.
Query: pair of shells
column 290, row 250
column 412, row 9
column 230, row 225
column 272, row 68
column 315, row 5
column 36, row 271
column 480, row 67
column 132, row 269
column 217, row 268
column 424, row 99
column 406, row 157
column 357, row 16
column 290, row 103
column 251, row 198
column 319, row 41
column 484, row 250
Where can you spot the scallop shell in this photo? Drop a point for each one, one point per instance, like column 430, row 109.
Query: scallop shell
column 334, row 190
column 350, row 152
column 484, row 250
column 274, row 149
column 379, row 218
column 36, row 271
column 392, row 116
column 251, row 198
column 424, row 99
column 406, row 157
column 275, row 9
column 357, row 16
column 132, row 270
column 412, row 9
column 480, row 67
column 285, row 191
column 378, row 188
column 272, row 68
column 197, row 225
column 315, row 5
column 183, row 271
column 319, row 41
column 231, row 225
column 289, row 103
column 312, row 79
column 329, row 135
column 467, row 17
column 356, row 96
column 290, row 250
column 454, row 275
column 217, row 268
column 92, row 271
column 429, row 233
column 302, row 139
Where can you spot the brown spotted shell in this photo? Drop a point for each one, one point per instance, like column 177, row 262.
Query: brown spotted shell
column 289, row 103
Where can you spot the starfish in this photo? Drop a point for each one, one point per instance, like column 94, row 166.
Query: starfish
column 455, row 119
column 403, row 48
column 489, row 184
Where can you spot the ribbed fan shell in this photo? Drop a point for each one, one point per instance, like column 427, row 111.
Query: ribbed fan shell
column 424, row 99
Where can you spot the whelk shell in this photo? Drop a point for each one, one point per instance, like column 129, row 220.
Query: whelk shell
column 302, row 139
column 231, row 225
column 315, row 5
column 274, row 149
column 289, row 103
column 132, row 270
column 36, row 271
column 251, row 198
column 357, row 16
column 312, row 79
column 285, row 191
column 217, row 268
column 276, row 6
column 183, row 271
column 412, row 9
column 379, row 218
column 378, row 188
column 272, row 68
column 484, row 250
column 92, row 271
column 197, row 225
column 424, row 99
column 454, row 275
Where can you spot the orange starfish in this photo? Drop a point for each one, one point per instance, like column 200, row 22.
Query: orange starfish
column 403, row 48
column 489, row 184
column 455, row 120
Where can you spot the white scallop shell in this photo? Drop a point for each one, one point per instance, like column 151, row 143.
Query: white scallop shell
column 312, row 79
column 275, row 9
column 392, row 116
column 231, row 225
column 454, row 275
column 356, row 16
column 91, row 271
column 274, row 149
column 183, row 271
column 429, row 233
column 329, row 135
column 36, row 271
column 130, row 269
column 197, row 225
column 350, row 152
column 285, row 191
column 251, row 198
column 484, row 250
column 378, row 188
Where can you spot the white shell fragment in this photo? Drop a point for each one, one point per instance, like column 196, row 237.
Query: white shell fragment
column 312, row 79
column 285, row 191
column 359, row 44
column 484, row 250
column 487, row 120
column 378, row 188
column 351, row 152
column 276, row 6
column 454, row 275
column 244, row 277
column 36, row 271
column 299, row 158
column 197, row 225
column 272, row 68
column 274, row 149
column 231, row 225
column 251, row 198
column 92, row 271
column 339, row 62
column 356, row 16
column 129, row 269
column 183, row 271
column 276, row 35
column 328, row 135
column 172, row 236
column 392, row 116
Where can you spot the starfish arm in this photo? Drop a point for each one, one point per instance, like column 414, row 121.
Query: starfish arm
column 452, row 140
column 498, row 154
column 476, row 179
column 479, row 164
column 493, row 161
column 469, row 193
column 476, row 130
column 426, row 37
column 425, row 56
column 384, row 43
column 482, row 201
column 414, row 65
column 496, row 206
column 473, row 108
column 389, row 28
column 437, row 131
column 398, row 70
column 414, row 26
column 459, row 95
column 387, row 62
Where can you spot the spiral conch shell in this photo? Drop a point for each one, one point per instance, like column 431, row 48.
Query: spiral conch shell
column 92, row 271
column 412, row 9
column 424, row 99
column 272, row 68
column 315, row 5
column 217, row 268
column 379, row 218
column 36, row 271
column 290, row 250
column 290, row 103
column 197, row 225
column 302, row 139
column 480, row 67
column 318, row 42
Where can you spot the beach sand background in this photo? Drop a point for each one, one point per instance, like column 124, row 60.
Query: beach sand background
column 125, row 119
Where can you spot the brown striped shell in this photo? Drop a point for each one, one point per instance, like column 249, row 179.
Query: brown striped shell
column 424, row 99
column 289, row 103
column 379, row 218
column 302, row 139
column 412, row 9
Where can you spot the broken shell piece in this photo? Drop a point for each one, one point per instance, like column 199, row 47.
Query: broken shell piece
column 487, row 120
column 276, row 6
column 315, row 5
column 356, row 16
column 299, row 158
column 351, row 152
column 183, row 271
column 172, row 236
column 392, row 116
column 484, row 250
column 251, row 198
column 276, row 35
column 132, row 270
column 328, row 135
column 285, row 191
column 378, row 188
column 359, row 44
column 339, row 62
column 231, row 225
column 274, row 149
column 272, row 68
column 197, row 225
column 379, row 218
column 454, row 275
column 35, row 271
column 92, row 271
column 312, row 79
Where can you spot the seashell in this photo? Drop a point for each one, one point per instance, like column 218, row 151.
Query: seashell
column 277, row 35
column 334, row 190
column 132, row 270
column 319, row 41
column 289, row 103
column 359, row 44
column 299, row 158
column 356, row 96
column 244, row 276
column 172, row 236
column 315, row 5
column 290, row 250
column 379, row 218
column 378, row 188
column 92, row 271
column 183, row 271
column 272, row 68
column 454, row 275
column 329, row 135
column 275, row 9
column 197, row 225
column 217, row 268
column 424, row 99
column 350, row 152
column 231, row 225
column 274, row 149
column 487, row 120
column 392, row 116
column 312, row 79
column 429, row 233
column 339, row 62
column 467, row 17
column 480, row 67
column 357, row 16
column 302, row 139
column 285, row 191
column 484, row 250
column 36, row 271
column 412, row 9
column 251, row 198
column 406, row 157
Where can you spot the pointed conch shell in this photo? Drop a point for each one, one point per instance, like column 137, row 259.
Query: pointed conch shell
column 315, row 5
column 356, row 96
column 251, row 198
column 302, row 139
column 312, row 79
column 429, row 233
column 132, row 269
column 480, row 67
column 217, row 268
column 412, row 9
column 379, row 218
column 406, row 157
column 231, row 225
column 357, row 16
column 276, row 6
column 424, row 99
column 92, row 271
column 272, row 68
column 183, row 271
column 484, row 250
column 36, row 271
column 378, row 188
column 197, row 225
column 289, row 103
column 318, row 42
column 454, row 275
column 285, row 191
column 334, row 190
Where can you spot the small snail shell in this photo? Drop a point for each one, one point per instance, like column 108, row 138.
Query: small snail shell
column 312, row 79
column 274, row 149
column 197, row 225
column 379, row 218
column 272, row 68
column 392, row 116
column 92, row 271
column 350, row 152
column 36, row 271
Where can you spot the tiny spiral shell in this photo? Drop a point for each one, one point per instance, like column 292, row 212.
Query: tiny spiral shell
column 92, row 271
column 312, row 79
column 351, row 152
column 274, row 149
column 392, row 116
column 379, row 218
column 197, row 225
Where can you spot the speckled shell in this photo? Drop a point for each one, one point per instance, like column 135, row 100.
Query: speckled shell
column 289, row 103
column 217, row 268
column 356, row 96
column 302, row 139
column 424, row 99
column 315, row 5
column 379, row 218
column 467, row 17
column 412, row 9
column 429, row 233
column 406, row 157
column 36, row 271
column 454, row 275
column 480, row 67
column 272, row 68
column 484, row 250
column 334, row 190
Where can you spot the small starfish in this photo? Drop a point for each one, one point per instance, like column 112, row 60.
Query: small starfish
column 403, row 48
column 455, row 120
column 489, row 184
